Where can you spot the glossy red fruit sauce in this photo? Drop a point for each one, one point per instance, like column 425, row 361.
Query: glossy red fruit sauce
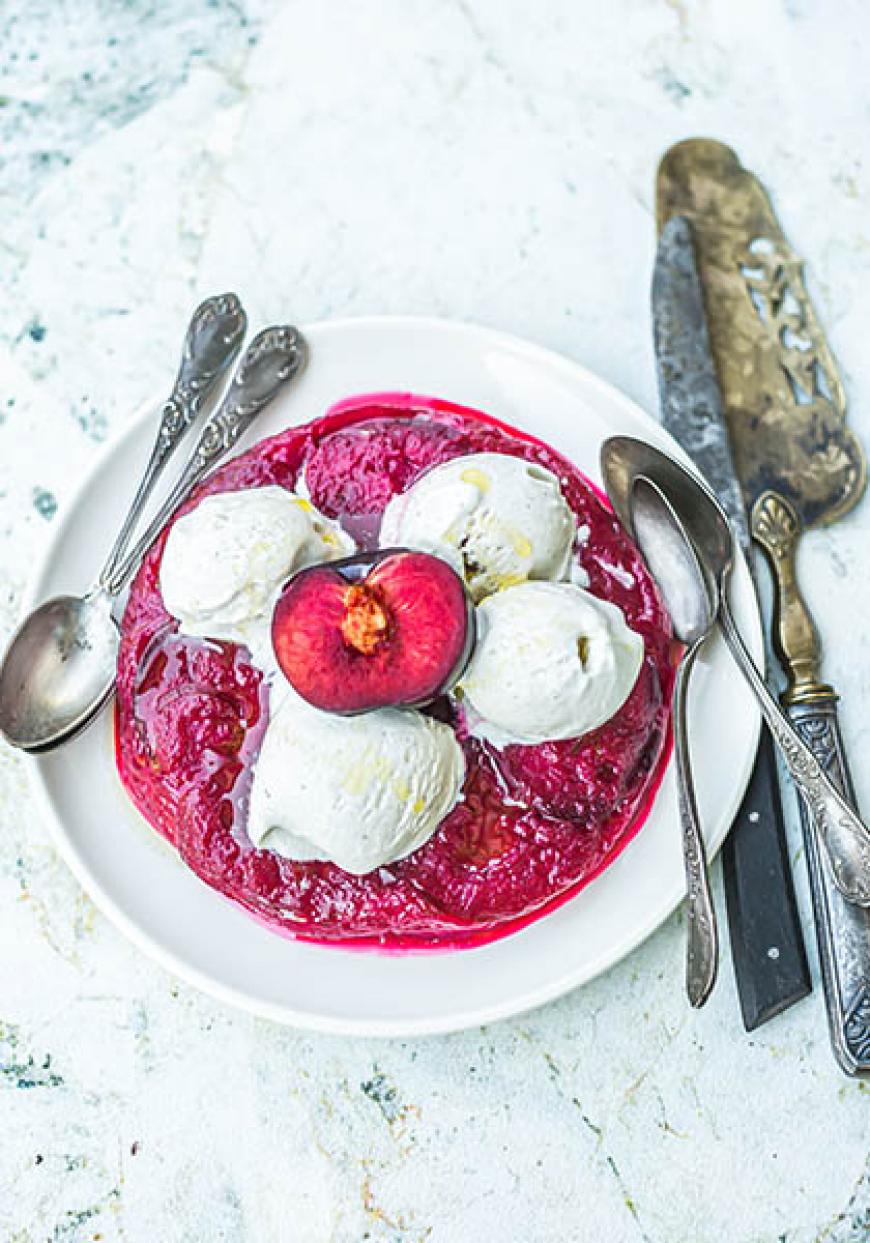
column 535, row 824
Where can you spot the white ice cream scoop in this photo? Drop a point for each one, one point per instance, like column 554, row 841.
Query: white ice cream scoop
column 225, row 561
column 552, row 661
column 497, row 519
column 361, row 791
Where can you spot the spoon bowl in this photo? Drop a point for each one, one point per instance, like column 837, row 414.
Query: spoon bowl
column 694, row 507
column 691, row 593
column 59, row 665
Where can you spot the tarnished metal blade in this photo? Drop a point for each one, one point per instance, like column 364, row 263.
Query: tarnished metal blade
column 691, row 403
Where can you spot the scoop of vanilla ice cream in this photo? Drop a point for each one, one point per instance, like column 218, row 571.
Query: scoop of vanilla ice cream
column 226, row 560
column 552, row 661
column 497, row 519
column 361, row 791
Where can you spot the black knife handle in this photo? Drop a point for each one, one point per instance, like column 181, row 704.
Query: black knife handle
column 767, row 944
column 842, row 929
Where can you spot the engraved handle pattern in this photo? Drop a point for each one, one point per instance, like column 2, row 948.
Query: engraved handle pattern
column 702, row 943
column 842, row 929
column 214, row 337
column 845, row 839
column 273, row 358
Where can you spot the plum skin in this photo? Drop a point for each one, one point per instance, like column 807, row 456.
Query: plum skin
column 393, row 628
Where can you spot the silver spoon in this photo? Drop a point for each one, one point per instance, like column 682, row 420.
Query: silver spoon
column 692, row 606
column 696, row 518
column 46, row 686
column 60, row 667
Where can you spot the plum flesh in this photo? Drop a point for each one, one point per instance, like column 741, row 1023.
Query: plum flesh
column 388, row 629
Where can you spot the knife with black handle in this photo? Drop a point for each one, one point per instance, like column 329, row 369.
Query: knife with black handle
column 767, row 945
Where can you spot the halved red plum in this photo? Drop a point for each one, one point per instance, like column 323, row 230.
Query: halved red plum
column 392, row 628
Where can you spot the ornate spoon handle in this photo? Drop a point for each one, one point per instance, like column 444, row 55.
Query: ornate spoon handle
column 702, row 945
column 214, row 337
column 840, row 829
column 842, row 929
column 273, row 358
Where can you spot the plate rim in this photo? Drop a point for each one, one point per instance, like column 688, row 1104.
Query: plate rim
column 517, row 1004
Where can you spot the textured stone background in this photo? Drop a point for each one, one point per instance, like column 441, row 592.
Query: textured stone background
column 482, row 159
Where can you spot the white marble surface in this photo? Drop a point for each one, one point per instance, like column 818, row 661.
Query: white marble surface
column 482, row 159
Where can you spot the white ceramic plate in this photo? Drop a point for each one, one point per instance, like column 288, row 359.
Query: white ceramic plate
column 138, row 881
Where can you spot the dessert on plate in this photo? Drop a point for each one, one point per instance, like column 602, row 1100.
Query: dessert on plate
column 396, row 678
